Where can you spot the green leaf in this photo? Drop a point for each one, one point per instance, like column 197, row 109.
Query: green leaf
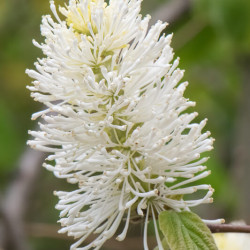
column 185, row 230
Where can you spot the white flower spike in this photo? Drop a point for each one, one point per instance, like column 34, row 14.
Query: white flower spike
column 115, row 123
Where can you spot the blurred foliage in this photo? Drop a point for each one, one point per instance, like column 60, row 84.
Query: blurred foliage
column 230, row 20
column 211, row 40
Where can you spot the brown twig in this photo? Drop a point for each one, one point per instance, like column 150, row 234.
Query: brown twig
column 43, row 230
column 187, row 32
column 16, row 200
column 228, row 228
column 171, row 11
column 240, row 170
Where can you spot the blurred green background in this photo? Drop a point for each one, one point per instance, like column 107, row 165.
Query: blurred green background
column 212, row 40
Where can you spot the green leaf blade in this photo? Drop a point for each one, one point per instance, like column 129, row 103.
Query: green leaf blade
column 185, row 230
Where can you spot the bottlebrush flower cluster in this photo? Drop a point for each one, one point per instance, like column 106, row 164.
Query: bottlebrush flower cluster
column 114, row 122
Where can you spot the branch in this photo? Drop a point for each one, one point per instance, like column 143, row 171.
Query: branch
column 187, row 32
column 16, row 200
column 240, row 170
column 171, row 11
column 228, row 228
column 43, row 230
